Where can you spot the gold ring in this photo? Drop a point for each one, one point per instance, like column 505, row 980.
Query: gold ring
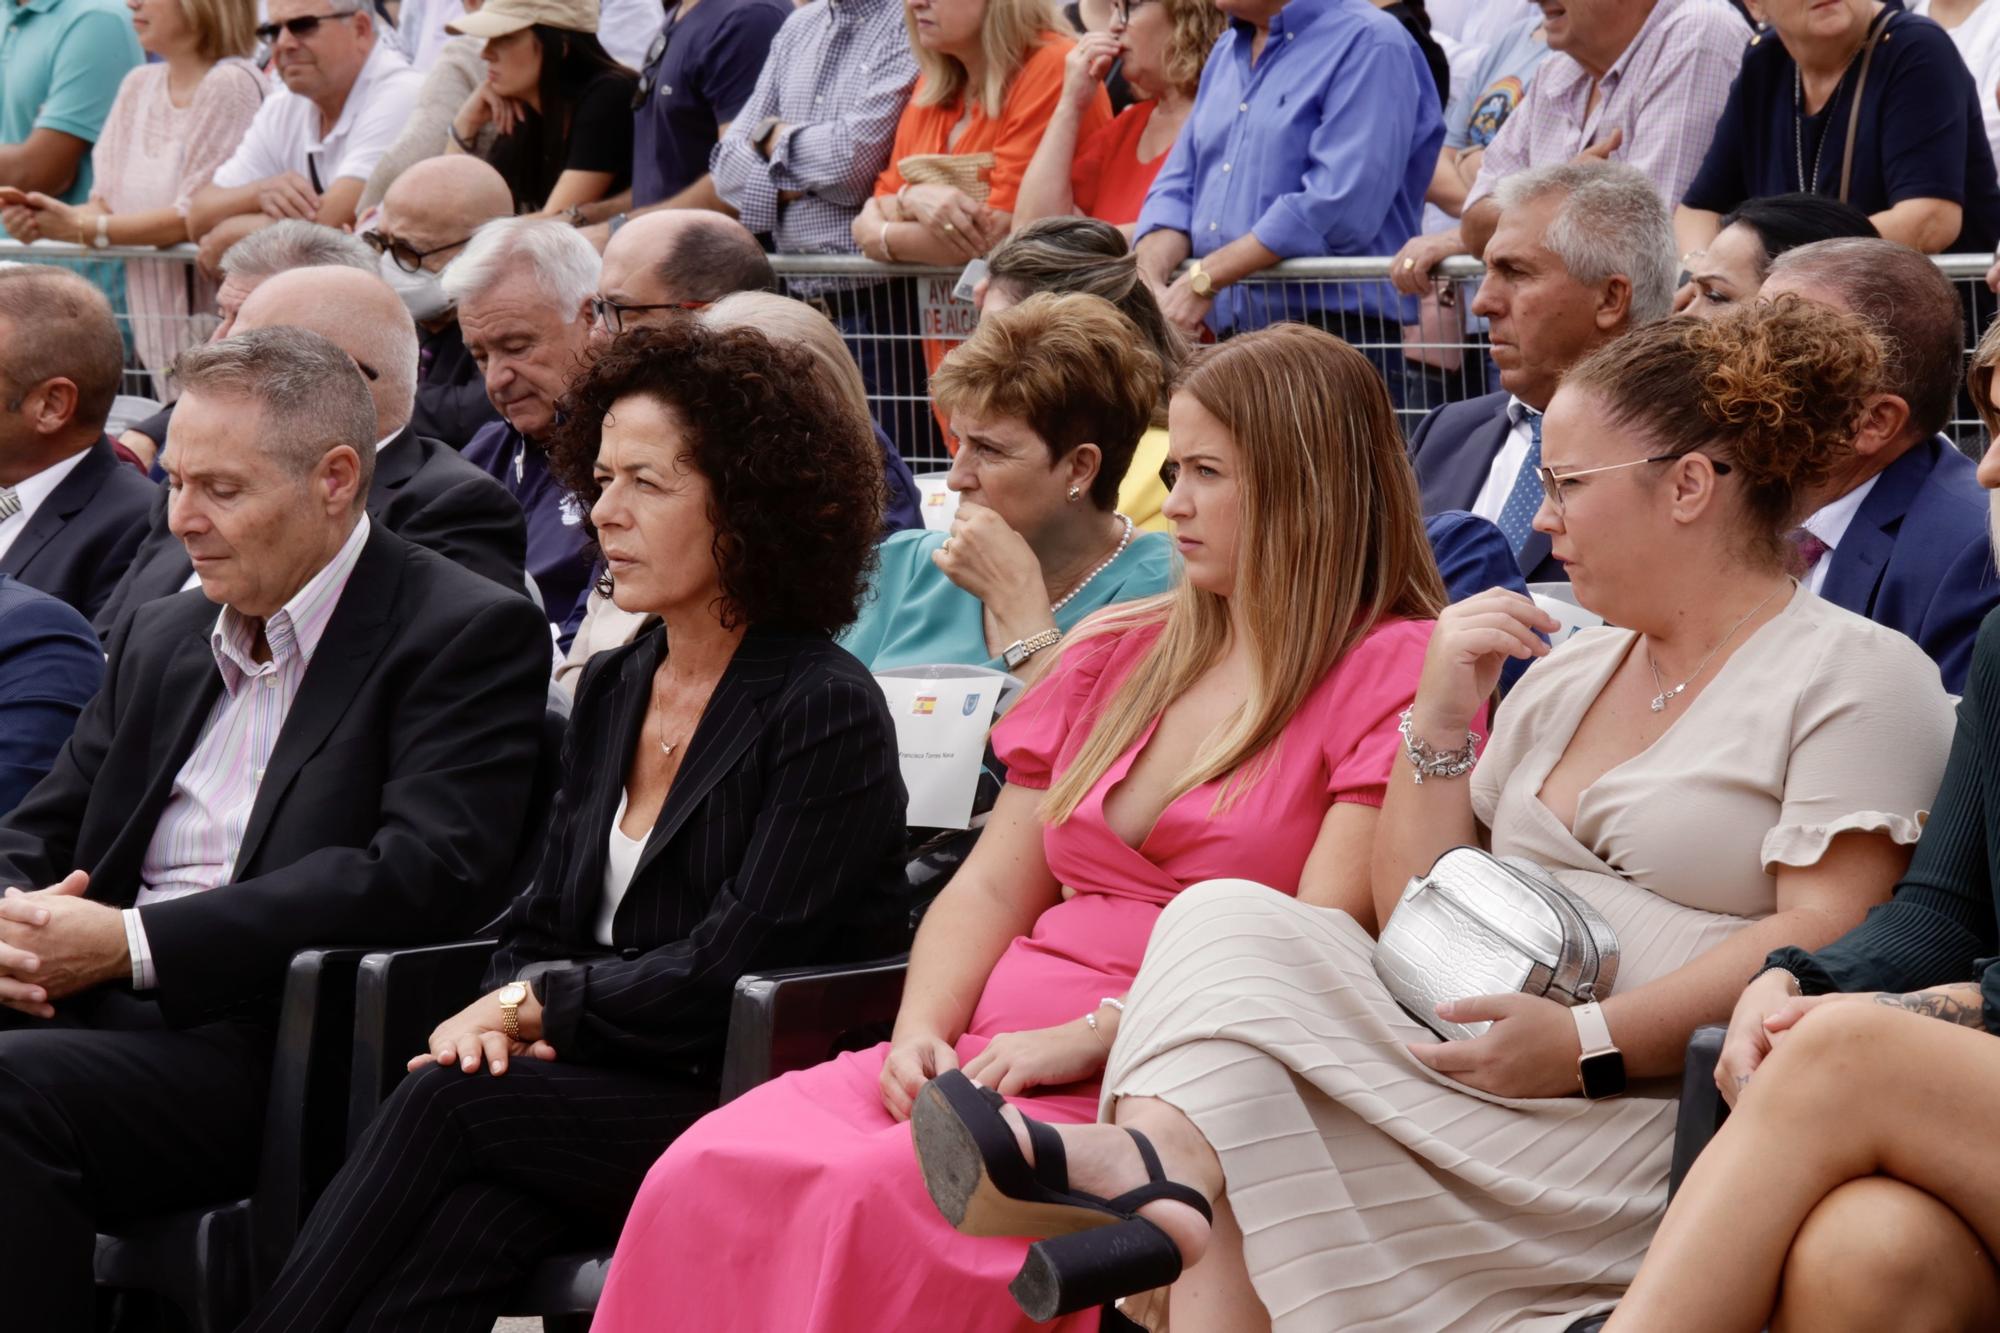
column 1409, row 264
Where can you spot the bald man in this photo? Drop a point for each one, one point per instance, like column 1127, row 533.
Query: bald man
column 677, row 259
column 422, row 489
column 427, row 217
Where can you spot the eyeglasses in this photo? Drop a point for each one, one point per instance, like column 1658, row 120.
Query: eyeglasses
column 1552, row 480
column 405, row 256
column 649, row 67
column 612, row 315
column 1979, row 384
column 301, row 28
column 1122, row 10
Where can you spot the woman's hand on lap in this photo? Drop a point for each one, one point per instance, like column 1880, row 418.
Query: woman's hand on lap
column 1013, row 1062
column 913, row 1061
column 1530, row 1051
column 476, row 1034
column 1748, row 1040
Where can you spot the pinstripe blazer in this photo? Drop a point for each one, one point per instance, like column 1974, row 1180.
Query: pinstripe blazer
column 780, row 844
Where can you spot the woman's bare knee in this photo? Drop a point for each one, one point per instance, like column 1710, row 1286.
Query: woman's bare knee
column 1879, row 1254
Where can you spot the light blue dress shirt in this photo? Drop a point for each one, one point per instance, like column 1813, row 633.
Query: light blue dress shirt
column 1324, row 148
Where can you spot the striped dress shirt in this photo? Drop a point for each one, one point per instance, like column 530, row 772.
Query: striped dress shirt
column 1665, row 92
column 195, row 844
column 838, row 76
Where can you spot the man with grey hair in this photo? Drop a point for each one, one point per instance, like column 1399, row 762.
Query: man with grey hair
column 523, row 289
column 422, row 490
column 1584, row 251
column 323, row 760
column 279, row 248
column 1898, row 532
column 310, row 149
column 71, row 514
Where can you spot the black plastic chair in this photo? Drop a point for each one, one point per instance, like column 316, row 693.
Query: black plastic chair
column 209, row 1263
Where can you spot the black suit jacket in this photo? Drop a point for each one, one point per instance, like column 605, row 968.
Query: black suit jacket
column 1453, row 450
column 779, row 845
column 83, row 536
column 423, row 492
column 388, row 812
column 451, row 393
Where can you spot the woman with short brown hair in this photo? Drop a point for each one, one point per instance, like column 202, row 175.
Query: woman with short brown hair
column 1241, row 723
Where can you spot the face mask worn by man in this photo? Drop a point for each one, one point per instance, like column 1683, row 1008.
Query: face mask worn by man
column 422, row 293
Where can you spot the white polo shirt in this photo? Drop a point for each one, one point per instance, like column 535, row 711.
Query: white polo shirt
column 285, row 134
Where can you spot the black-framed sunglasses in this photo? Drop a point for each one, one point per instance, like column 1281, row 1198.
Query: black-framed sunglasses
column 404, row 255
column 301, row 28
column 612, row 315
column 648, row 67
column 1552, row 480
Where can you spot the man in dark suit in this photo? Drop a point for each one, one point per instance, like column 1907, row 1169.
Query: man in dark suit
column 71, row 514
column 342, row 754
column 50, row 665
column 1899, row 532
column 1584, row 251
column 422, row 491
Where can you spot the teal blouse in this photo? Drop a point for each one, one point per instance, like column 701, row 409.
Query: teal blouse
column 913, row 615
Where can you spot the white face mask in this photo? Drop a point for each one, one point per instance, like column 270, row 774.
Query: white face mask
column 422, row 293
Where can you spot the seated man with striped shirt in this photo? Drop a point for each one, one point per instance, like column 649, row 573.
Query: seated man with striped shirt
column 322, row 761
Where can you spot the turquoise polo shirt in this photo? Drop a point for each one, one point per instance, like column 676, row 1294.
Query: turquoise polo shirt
column 61, row 62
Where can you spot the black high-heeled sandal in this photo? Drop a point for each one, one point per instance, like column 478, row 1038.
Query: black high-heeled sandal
column 1089, row 1250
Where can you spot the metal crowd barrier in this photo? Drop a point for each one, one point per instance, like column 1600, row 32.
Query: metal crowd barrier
column 894, row 314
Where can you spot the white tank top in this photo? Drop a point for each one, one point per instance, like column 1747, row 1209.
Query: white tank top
column 620, row 861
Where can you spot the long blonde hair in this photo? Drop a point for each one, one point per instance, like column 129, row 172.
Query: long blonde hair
column 1332, row 544
column 1008, row 31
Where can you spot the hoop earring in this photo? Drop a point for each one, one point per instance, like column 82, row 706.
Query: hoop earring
column 1075, row 494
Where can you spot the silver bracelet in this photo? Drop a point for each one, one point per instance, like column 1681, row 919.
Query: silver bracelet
column 1426, row 762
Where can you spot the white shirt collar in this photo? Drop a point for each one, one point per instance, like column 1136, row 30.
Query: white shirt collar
column 1830, row 521
column 33, row 490
column 389, row 439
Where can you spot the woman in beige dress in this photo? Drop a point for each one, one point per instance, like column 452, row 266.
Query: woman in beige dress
column 1744, row 767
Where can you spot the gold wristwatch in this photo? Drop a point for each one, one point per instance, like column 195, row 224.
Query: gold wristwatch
column 1198, row 280
column 511, row 996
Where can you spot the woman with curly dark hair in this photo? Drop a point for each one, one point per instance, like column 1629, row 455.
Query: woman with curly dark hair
column 730, row 805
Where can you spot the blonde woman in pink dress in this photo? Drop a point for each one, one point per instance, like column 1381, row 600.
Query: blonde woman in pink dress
column 1240, row 725
column 174, row 122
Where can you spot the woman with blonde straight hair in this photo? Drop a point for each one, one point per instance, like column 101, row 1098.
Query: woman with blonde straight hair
column 1241, row 724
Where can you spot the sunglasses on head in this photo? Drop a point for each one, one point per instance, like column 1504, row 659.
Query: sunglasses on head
column 298, row 27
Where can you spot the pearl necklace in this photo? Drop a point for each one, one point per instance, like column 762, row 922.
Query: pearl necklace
column 1123, row 541
column 1667, row 696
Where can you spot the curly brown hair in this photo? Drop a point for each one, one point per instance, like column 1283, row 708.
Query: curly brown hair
column 1198, row 24
column 794, row 471
column 1776, row 390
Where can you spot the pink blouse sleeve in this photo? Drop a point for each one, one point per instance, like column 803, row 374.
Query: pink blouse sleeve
column 224, row 105
column 1046, row 728
column 1377, row 682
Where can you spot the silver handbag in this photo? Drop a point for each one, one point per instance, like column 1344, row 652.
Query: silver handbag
column 1483, row 925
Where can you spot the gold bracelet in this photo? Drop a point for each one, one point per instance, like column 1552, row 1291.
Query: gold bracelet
column 888, row 255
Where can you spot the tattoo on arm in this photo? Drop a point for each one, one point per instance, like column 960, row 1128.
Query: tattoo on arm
column 1960, row 1004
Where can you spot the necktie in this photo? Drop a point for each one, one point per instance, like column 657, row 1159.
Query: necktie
column 1517, row 518
column 10, row 504
column 1807, row 550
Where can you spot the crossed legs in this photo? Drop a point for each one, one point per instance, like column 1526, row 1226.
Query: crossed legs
column 1858, row 1178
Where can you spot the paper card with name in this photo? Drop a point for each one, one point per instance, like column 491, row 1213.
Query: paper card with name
column 941, row 725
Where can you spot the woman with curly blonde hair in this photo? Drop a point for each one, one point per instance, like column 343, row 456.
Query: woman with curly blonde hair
column 1161, row 46
column 1742, row 766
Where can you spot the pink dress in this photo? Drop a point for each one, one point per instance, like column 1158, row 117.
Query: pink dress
column 798, row 1207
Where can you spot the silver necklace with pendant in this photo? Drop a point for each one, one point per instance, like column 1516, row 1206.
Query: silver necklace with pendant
column 1667, row 696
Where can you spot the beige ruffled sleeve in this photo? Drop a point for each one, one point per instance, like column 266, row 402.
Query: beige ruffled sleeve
column 1871, row 730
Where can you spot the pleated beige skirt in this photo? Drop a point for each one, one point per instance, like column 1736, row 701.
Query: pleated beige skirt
column 1374, row 1194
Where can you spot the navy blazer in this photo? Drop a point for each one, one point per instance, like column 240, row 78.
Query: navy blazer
column 423, row 491
column 780, row 844
column 1453, row 451
column 83, row 536
column 393, row 801
column 50, row 665
column 1918, row 556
